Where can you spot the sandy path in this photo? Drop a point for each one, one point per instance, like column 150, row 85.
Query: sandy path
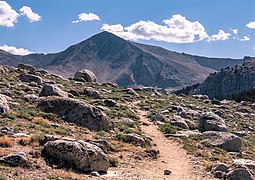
column 172, row 157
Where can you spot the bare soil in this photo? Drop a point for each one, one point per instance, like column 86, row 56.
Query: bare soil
column 172, row 157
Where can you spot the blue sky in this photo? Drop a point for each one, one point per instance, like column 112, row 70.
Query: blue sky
column 215, row 28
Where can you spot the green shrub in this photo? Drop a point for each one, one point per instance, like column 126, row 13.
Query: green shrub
column 167, row 129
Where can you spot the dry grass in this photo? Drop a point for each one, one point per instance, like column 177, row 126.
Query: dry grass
column 6, row 142
column 4, row 152
column 68, row 175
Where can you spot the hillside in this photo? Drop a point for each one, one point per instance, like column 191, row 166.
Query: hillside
column 230, row 82
column 54, row 128
column 114, row 59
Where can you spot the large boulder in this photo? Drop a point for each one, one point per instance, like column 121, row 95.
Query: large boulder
column 91, row 92
column 30, row 78
column 76, row 154
column 26, row 67
column 76, row 112
column 85, row 75
column 211, row 122
column 52, row 90
column 224, row 140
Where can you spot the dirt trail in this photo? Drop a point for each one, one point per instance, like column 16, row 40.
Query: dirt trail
column 172, row 157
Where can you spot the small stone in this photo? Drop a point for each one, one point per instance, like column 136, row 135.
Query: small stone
column 167, row 172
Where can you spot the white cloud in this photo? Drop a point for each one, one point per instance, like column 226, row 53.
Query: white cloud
column 8, row 16
column 251, row 25
column 28, row 12
column 221, row 36
column 14, row 50
column 87, row 17
column 245, row 38
column 253, row 47
column 176, row 29
column 235, row 31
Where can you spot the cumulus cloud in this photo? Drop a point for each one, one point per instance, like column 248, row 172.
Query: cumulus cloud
column 245, row 38
column 176, row 29
column 8, row 16
column 14, row 50
column 28, row 12
column 87, row 17
column 221, row 36
column 251, row 25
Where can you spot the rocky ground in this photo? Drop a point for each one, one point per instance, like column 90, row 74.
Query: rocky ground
column 52, row 128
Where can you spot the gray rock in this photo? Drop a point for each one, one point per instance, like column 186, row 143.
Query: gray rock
column 103, row 108
column 31, row 98
column 74, row 92
column 239, row 173
column 33, row 84
column 110, row 103
column 30, row 78
column 85, row 75
column 91, row 92
column 219, row 174
column 76, row 112
column 179, row 122
column 136, row 140
column 161, row 118
column 26, row 67
column 244, row 162
column 221, row 167
column 16, row 159
column 79, row 155
column 42, row 72
column 243, row 110
column 224, row 140
column 4, row 106
column 102, row 144
column 132, row 91
column 200, row 96
column 211, row 122
column 52, row 90
column 122, row 120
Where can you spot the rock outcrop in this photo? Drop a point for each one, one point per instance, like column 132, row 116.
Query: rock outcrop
column 76, row 112
column 230, row 81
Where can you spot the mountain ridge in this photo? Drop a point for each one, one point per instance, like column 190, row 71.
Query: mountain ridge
column 114, row 59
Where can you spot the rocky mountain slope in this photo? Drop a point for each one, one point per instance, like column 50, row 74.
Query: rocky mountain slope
column 54, row 128
column 113, row 59
column 230, row 82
